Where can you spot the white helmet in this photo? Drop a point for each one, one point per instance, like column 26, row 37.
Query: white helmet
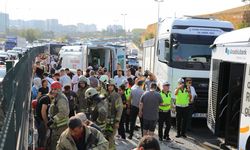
column 84, row 79
column 90, row 92
column 104, row 78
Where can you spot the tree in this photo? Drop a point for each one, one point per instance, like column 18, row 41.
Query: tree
column 136, row 36
column 31, row 34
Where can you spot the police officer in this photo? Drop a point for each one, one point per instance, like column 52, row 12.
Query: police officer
column 115, row 108
column 58, row 112
column 183, row 97
column 81, row 102
column 100, row 111
column 164, row 112
column 129, row 84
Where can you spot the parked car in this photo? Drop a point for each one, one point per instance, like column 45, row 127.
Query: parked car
column 4, row 56
column 13, row 54
column 2, row 73
column 19, row 50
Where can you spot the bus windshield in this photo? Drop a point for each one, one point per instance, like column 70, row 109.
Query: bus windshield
column 191, row 48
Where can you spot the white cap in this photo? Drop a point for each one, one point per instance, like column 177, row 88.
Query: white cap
column 165, row 83
column 180, row 80
column 90, row 68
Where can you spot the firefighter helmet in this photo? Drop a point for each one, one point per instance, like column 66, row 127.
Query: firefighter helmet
column 90, row 92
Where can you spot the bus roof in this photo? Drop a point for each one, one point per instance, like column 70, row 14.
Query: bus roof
column 237, row 36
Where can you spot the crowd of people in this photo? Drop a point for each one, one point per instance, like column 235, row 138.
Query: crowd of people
column 89, row 109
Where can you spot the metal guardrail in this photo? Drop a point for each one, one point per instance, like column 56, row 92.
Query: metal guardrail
column 15, row 102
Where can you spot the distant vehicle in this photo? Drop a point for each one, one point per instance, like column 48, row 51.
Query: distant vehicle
column 14, row 41
column 183, row 50
column 229, row 89
column 4, row 56
column 134, row 52
column 132, row 61
column 80, row 57
column 19, row 50
column 2, row 73
column 13, row 54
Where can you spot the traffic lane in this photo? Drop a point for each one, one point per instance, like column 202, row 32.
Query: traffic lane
column 200, row 138
column 202, row 135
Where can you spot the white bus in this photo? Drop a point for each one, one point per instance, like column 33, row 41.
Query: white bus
column 229, row 89
column 183, row 51
column 80, row 57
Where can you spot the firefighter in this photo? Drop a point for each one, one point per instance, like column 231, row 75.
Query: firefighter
column 115, row 108
column 79, row 136
column 58, row 113
column 100, row 111
column 81, row 103
column 102, row 89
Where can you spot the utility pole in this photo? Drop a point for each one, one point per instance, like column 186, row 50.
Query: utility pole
column 157, row 29
column 124, row 26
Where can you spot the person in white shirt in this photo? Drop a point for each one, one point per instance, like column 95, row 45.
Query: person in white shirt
column 64, row 78
column 119, row 78
column 75, row 80
column 139, row 72
column 191, row 104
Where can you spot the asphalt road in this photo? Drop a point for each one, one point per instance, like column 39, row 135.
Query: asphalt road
column 199, row 138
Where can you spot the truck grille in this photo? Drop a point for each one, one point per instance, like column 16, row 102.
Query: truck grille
column 201, row 88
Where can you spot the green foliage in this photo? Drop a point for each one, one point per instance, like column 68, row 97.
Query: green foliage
column 243, row 25
column 149, row 36
column 29, row 34
column 136, row 36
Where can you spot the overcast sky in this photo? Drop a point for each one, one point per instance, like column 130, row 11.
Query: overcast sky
column 140, row 13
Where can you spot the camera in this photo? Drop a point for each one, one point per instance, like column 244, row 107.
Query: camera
column 147, row 73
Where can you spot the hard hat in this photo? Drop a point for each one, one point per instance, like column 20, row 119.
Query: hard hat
column 104, row 78
column 56, row 85
column 111, row 81
column 83, row 79
column 90, row 92
column 34, row 103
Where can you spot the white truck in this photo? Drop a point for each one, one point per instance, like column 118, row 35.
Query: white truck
column 183, row 51
column 80, row 57
column 229, row 89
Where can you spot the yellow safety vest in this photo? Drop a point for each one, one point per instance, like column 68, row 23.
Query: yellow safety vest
column 127, row 93
column 182, row 98
column 166, row 100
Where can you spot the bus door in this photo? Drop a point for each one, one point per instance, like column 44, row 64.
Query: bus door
column 244, row 131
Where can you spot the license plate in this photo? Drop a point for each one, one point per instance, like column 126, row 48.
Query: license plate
column 199, row 115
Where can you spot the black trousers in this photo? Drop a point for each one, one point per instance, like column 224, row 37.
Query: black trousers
column 121, row 129
column 181, row 119
column 190, row 113
column 133, row 115
column 164, row 118
column 127, row 121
